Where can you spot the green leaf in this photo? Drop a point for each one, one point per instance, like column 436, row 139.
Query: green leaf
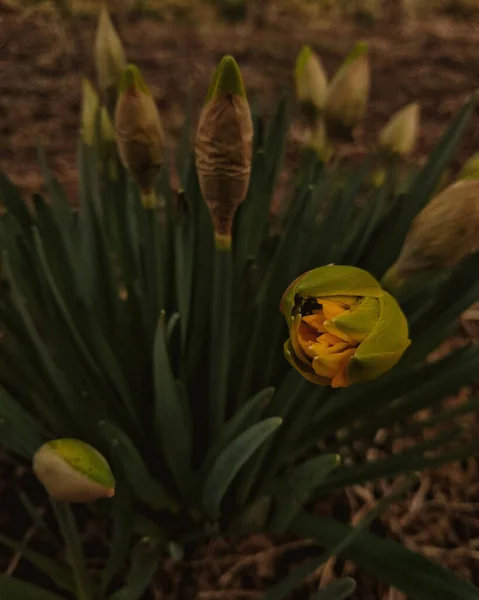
column 294, row 488
column 288, row 584
column 19, row 431
column 145, row 559
column 13, row 202
column 338, row 590
column 145, row 487
column 412, row 459
column 246, row 416
column 57, row 572
column 409, row 572
column 14, row 589
column 230, row 461
column 122, row 514
column 170, row 420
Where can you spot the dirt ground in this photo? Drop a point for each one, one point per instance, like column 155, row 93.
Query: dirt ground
column 42, row 63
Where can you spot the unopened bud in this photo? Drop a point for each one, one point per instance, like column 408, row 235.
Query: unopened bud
column 470, row 169
column 109, row 55
column 90, row 113
column 140, row 138
column 442, row 234
column 317, row 140
column 224, row 148
column 73, row 471
column 348, row 93
column 311, row 83
column 399, row 135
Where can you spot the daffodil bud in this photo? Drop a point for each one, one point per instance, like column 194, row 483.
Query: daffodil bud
column 89, row 116
column 109, row 55
column 399, row 135
column 316, row 138
column 343, row 327
column 348, row 93
column 73, row 471
column 140, row 138
column 442, row 234
column 224, row 148
column 311, row 84
column 470, row 169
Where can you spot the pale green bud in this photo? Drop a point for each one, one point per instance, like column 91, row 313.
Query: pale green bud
column 140, row 137
column 109, row 54
column 311, row 83
column 89, row 111
column 317, row 140
column 73, row 471
column 348, row 93
column 400, row 134
column 224, row 145
column 89, row 116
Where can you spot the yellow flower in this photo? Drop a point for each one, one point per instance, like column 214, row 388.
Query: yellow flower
column 343, row 327
column 73, row 471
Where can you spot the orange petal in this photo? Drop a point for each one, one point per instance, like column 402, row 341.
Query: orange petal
column 330, row 365
column 332, row 309
column 316, row 320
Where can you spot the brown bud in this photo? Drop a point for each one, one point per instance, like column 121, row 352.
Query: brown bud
column 443, row 233
column 139, row 133
column 224, row 148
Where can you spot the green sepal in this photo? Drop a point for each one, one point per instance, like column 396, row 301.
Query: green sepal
column 226, row 80
column 383, row 348
column 132, row 78
column 332, row 280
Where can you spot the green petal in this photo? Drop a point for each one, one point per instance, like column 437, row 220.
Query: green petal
column 360, row 320
column 85, row 459
column 383, row 348
column 336, row 280
column 226, row 80
column 133, row 79
column 304, row 370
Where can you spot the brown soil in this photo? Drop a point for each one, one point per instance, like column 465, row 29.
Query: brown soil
column 42, row 62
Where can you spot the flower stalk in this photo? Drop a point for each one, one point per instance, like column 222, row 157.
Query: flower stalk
column 223, row 150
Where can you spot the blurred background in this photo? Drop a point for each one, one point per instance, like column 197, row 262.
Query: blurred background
column 423, row 50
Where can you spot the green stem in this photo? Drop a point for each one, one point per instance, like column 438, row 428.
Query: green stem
column 220, row 338
column 153, row 264
column 69, row 531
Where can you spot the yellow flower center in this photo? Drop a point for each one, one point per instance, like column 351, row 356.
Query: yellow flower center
column 328, row 348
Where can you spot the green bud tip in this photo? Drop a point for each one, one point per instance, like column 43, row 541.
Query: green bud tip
column 304, row 55
column 360, row 49
column 132, row 79
column 226, row 80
